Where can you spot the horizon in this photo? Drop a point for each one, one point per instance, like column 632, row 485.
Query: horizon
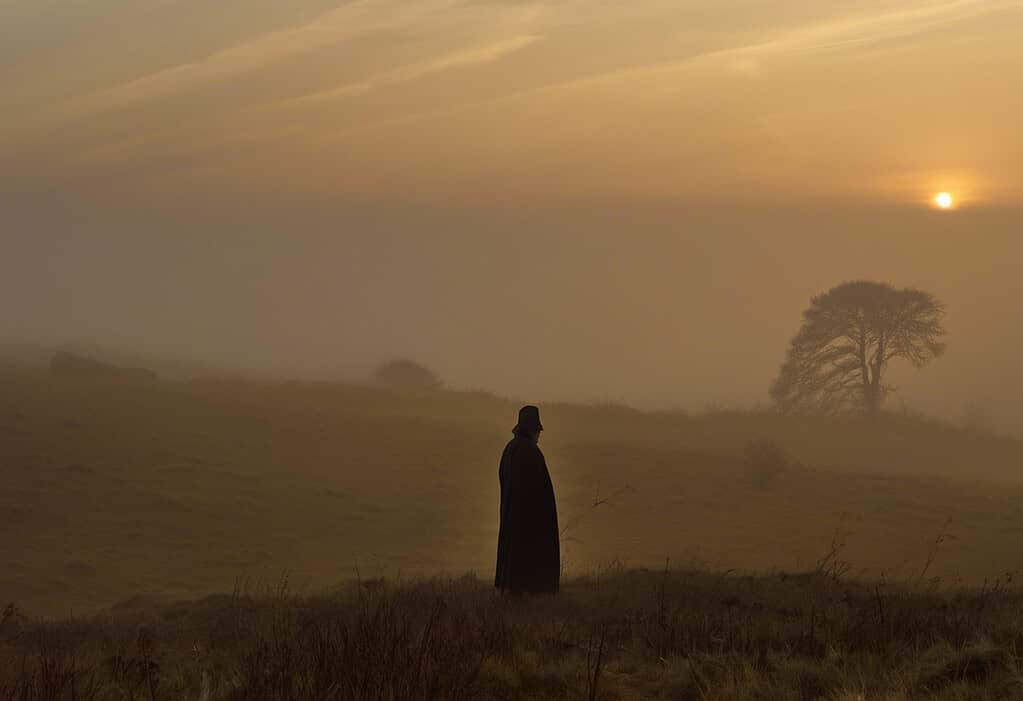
column 232, row 293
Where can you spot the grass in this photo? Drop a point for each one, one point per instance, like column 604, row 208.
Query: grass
column 625, row 634
column 126, row 506
column 175, row 490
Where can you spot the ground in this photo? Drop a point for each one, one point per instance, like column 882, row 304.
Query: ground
column 176, row 490
column 616, row 635
column 878, row 563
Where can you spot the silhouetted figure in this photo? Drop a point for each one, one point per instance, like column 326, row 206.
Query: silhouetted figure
column 528, row 547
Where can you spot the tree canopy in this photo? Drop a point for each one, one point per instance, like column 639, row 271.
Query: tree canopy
column 849, row 335
column 407, row 374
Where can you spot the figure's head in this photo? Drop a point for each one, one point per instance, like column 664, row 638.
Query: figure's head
column 529, row 425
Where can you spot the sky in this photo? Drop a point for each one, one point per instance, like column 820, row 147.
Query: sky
column 571, row 199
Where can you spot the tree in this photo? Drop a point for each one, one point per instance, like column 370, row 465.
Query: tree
column 837, row 361
column 408, row 375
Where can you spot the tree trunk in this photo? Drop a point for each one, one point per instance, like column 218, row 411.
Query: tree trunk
column 865, row 372
column 872, row 400
column 872, row 396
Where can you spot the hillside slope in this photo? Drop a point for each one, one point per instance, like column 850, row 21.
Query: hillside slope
column 113, row 489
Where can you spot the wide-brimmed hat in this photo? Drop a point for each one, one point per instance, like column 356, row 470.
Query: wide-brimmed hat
column 529, row 420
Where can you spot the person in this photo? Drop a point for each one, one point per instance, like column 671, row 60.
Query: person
column 528, row 547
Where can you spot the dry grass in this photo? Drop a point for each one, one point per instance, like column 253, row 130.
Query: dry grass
column 175, row 490
column 620, row 635
column 167, row 492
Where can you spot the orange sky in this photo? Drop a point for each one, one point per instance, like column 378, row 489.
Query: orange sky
column 649, row 101
column 612, row 200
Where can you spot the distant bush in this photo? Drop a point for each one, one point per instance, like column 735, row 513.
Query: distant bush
column 765, row 459
column 714, row 409
column 406, row 374
column 614, row 410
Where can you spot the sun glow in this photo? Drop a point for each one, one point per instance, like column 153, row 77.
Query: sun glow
column 944, row 200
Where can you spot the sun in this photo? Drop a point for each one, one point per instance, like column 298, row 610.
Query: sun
column 944, row 200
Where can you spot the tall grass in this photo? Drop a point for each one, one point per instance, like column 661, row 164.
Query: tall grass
column 616, row 635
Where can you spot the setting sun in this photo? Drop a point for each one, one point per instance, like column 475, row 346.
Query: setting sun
column 944, row 200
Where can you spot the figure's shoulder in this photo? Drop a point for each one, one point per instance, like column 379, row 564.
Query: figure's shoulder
column 522, row 447
column 529, row 450
column 509, row 451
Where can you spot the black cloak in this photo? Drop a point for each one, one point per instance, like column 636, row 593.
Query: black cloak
column 528, row 547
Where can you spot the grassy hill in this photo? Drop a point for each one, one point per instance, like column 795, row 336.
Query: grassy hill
column 177, row 489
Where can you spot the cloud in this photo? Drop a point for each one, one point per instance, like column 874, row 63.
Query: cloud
column 339, row 25
column 577, row 88
column 748, row 60
column 859, row 30
column 342, row 24
column 471, row 56
column 746, row 68
column 476, row 55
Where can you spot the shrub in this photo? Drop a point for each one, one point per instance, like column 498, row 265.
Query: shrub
column 765, row 460
column 406, row 374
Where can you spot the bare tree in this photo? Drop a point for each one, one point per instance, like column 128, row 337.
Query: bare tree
column 837, row 361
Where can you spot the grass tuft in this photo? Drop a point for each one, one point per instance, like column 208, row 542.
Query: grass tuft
column 626, row 634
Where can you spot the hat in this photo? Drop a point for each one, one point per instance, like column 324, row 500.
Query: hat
column 529, row 420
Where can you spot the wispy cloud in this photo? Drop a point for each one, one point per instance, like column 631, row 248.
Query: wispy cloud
column 746, row 60
column 467, row 57
column 342, row 24
column 846, row 33
column 345, row 23
column 560, row 81
column 859, row 30
column 475, row 55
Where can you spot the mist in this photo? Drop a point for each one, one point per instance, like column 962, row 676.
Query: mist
column 683, row 307
column 499, row 349
column 573, row 201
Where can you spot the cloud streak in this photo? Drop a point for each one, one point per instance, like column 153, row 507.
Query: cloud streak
column 547, row 85
column 744, row 60
column 472, row 56
column 343, row 24
column 349, row 22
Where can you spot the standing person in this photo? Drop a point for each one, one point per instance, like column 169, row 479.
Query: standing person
column 528, row 547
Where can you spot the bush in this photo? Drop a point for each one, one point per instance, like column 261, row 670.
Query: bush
column 765, row 459
column 406, row 374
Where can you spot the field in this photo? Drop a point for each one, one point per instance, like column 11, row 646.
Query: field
column 615, row 636
column 176, row 490
column 356, row 529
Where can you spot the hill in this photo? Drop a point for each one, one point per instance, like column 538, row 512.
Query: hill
column 178, row 489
